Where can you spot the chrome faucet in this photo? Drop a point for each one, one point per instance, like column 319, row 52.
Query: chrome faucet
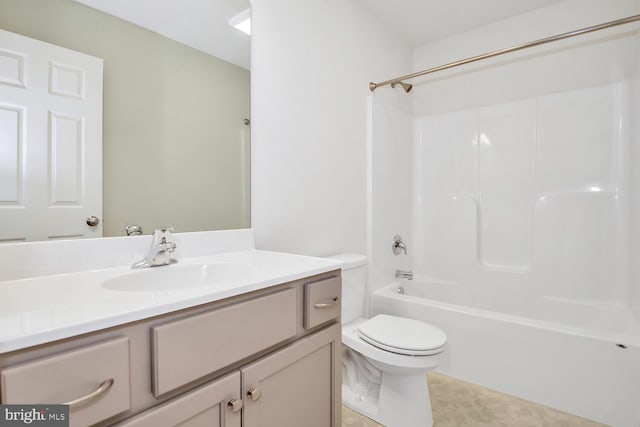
column 160, row 251
column 404, row 274
column 398, row 245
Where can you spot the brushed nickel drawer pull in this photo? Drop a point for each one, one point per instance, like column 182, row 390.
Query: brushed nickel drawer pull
column 102, row 388
column 326, row 304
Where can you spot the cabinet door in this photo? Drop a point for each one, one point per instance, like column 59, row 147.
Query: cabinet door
column 296, row 386
column 207, row 406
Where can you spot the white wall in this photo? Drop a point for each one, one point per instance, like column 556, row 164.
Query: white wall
column 311, row 64
column 589, row 60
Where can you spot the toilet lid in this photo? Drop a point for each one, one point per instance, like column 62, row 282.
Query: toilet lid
column 403, row 336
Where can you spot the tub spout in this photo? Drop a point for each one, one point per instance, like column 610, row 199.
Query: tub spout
column 404, row 274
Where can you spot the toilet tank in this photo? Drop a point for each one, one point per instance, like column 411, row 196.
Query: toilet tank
column 354, row 282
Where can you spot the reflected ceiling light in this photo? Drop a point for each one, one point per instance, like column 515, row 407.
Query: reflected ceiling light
column 242, row 21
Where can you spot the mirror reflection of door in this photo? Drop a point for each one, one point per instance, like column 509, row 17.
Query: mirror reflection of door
column 50, row 141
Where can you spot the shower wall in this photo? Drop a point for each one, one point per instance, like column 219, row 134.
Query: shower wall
column 532, row 193
column 520, row 166
column 635, row 183
column 390, row 189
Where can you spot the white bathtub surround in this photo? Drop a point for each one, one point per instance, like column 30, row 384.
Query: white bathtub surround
column 524, row 208
column 67, row 288
column 390, row 190
column 635, row 183
column 539, row 195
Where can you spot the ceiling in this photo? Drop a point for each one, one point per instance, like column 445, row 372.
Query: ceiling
column 422, row 21
column 203, row 24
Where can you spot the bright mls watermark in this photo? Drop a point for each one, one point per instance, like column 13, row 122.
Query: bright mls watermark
column 34, row 415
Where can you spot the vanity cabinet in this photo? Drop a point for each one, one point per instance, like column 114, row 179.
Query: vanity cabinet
column 265, row 358
column 295, row 386
column 211, row 405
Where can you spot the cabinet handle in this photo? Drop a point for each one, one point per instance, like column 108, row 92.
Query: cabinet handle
column 254, row 394
column 333, row 302
column 235, row 405
column 102, row 388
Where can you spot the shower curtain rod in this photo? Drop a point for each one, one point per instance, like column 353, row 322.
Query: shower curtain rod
column 408, row 86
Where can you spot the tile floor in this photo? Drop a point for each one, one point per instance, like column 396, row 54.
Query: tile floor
column 457, row 403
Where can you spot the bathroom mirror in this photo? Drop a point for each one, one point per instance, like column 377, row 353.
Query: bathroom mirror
column 176, row 119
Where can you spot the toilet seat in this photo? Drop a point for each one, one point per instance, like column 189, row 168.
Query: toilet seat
column 400, row 364
column 402, row 336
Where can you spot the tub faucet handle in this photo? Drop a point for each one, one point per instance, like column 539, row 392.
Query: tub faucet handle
column 398, row 245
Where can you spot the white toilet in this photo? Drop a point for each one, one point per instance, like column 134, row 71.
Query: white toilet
column 385, row 358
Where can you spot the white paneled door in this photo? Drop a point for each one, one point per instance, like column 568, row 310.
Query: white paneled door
column 50, row 141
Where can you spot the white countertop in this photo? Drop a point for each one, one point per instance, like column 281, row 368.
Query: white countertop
column 42, row 309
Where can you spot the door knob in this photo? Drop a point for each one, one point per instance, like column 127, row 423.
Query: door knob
column 235, row 405
column 92, row 221
column 254, row 394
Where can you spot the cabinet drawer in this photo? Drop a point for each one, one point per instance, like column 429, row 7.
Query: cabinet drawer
column 322, row 301
column 193, row 347
column 68, row 376
column 206, row 406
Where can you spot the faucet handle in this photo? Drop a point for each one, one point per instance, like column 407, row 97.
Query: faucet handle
column 133, row 230
column 398, row 245
column 160, row 235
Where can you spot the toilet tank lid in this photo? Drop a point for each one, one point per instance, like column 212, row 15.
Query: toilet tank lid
column 350, row 260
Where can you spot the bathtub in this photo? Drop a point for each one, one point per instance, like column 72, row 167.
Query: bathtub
column 578, row 357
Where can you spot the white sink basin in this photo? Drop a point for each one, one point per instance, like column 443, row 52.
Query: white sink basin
column 177, row 276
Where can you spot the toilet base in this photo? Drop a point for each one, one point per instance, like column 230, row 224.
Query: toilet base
column 403, row 401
